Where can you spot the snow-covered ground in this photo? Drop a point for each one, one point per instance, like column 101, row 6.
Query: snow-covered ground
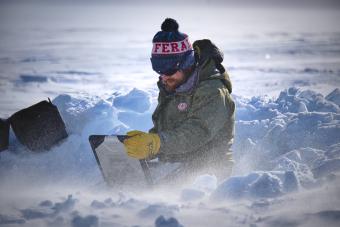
column 92, row 60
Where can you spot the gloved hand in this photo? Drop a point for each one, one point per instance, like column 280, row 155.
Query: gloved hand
column 142, row 145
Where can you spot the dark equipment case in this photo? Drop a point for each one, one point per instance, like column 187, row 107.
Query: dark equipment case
column 38, row 127
column 4, row 134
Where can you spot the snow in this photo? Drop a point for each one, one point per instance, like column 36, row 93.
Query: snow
column 189, row 194
column 78, row 112
column 206, row 183
column 334, row 96
column 88, row 221
column 285, row 71
column 154, row 210
column 257, row 185
column 171, row 222
column 282, row 154
column 5, row 219
column 136, row 100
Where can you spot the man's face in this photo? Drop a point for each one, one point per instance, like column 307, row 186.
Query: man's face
column 171, row 82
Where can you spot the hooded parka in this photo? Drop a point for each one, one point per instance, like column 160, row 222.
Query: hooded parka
column 196, row 123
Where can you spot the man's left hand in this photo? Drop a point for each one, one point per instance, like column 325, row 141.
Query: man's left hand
column 141, row 145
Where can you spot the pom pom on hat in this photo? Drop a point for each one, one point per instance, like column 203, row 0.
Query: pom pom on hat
column 169, row 25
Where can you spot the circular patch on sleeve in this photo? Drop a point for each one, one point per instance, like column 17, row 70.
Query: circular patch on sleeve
column 182, row 106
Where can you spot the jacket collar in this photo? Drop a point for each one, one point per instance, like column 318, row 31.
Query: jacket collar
column 190, row 84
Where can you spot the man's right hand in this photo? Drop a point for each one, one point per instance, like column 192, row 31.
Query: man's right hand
column 142, row 145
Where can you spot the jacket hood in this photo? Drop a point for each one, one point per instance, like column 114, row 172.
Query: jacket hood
column 208, row 71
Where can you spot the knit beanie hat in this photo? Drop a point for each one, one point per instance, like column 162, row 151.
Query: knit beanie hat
column 171, row 50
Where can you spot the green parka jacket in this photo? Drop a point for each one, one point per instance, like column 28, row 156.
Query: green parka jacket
column 196, row 126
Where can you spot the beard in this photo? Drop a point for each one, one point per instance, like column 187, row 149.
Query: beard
column 170, row 87
column 174, row 82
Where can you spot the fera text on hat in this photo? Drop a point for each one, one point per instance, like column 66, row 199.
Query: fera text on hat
column 172, row 47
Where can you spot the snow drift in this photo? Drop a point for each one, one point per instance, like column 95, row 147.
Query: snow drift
column 281, row 148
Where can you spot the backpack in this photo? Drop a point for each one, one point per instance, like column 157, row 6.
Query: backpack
column 205, row 50
column 38, row 127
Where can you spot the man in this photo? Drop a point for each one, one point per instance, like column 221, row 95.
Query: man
column 194, row 119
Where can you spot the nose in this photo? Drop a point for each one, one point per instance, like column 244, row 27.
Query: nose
column 164, row 77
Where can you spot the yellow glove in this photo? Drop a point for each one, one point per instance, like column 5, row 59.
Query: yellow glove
column 142, row 145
